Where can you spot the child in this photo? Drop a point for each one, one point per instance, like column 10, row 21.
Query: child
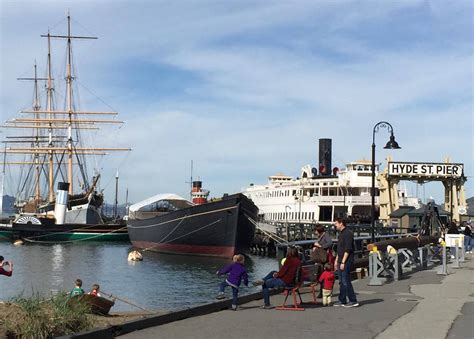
column 236, row 272
column 6, row 263
column 77, row 290
column 327, row 282
column 95, row 290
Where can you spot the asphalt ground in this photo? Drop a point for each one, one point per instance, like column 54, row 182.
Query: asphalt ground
column 421, row 305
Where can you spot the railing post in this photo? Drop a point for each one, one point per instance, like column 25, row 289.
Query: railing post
column 456, row 256
column 443, row 269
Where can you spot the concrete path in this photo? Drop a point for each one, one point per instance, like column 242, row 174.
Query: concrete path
column 425, row 305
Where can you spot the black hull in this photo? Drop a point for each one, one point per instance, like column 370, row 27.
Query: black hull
column 221, row 228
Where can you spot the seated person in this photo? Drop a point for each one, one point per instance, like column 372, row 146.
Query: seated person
column 77, row 290
column 95, row 290
column 283, row 278
column 6, row 263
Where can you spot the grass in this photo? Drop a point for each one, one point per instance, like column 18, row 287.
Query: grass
column 39, row 317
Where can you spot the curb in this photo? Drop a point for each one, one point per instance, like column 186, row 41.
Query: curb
column 135, row 325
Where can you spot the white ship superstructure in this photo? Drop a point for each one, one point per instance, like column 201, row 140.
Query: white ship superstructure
column 319, row 197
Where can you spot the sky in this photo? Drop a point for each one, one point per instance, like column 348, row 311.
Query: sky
column 246, row 88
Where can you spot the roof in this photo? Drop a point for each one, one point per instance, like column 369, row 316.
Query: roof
column 403, row 210
column 421, row 211
column 162, row 196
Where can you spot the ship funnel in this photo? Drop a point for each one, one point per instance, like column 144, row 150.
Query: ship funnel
column 199, row 196
column 61, row 203
column 325, row 154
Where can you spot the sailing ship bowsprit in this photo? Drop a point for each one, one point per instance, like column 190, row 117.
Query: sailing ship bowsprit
column 54, row 153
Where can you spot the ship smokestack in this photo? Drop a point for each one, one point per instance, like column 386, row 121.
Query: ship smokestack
column 325, row 155
column 61, row 203
column 198, row 194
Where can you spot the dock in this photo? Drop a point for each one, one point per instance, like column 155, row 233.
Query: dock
column 421, row 305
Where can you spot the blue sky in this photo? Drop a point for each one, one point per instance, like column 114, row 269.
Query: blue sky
column 246, row 88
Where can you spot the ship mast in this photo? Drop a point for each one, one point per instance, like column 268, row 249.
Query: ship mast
column 50, row 108
column 52, row 145
column 37, row 135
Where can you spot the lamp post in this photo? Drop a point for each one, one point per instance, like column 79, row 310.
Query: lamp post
column 391, row 144
column 287, row 228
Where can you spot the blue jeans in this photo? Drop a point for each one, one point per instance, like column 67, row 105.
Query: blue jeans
column 467, row 243
column 235, row 291
column 270, row 282
column 345, row 285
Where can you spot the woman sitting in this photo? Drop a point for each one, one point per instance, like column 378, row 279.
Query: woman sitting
column 283, row 278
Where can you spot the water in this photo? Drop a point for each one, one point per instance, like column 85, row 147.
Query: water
column 159, row 282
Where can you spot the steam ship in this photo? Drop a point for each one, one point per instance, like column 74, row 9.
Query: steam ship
column 52, row 152
column 321, row 194
column 171, row 224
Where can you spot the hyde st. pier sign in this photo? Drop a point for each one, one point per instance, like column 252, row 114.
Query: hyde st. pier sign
column 425, row 169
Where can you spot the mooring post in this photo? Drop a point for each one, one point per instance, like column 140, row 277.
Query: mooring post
column 456, row 255
column 443, row 269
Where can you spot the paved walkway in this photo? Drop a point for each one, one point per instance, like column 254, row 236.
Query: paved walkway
column 425, row 305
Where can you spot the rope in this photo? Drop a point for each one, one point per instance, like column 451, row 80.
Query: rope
column 186, row 216
column 278, row 239
column 73, row 241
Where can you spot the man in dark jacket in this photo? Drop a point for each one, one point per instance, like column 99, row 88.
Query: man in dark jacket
column 344, row 262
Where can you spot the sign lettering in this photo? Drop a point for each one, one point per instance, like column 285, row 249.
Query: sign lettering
column 429, row 170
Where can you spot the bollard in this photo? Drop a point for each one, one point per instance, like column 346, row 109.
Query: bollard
column 463, row 253
column 374, row 270
column 397, row 267
column 443, row 269
column 456, row 255
column 423, row 257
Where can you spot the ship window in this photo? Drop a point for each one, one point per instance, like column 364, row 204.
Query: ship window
column 294, row 192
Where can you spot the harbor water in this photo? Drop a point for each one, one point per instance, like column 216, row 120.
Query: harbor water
column 159, row 282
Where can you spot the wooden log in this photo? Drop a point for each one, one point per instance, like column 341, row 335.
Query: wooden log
column 407, row 242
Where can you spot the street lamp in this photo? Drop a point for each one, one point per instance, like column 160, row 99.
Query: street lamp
column 287, row 228
column 391, row 144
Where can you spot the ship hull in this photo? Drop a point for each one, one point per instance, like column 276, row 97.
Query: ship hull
column 221, row 228
column 51, row 233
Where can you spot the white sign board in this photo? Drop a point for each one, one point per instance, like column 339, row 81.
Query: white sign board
column 451, row 240
column 426, row 170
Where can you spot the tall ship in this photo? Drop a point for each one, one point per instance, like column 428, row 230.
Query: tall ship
column 171, row 224
column 52, row 181
column 320, row 194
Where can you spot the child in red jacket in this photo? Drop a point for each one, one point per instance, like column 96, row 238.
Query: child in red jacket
column 327, row 283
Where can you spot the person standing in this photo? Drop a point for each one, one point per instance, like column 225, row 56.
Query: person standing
column 468, row 237
column 6, row 263
column 343, row 264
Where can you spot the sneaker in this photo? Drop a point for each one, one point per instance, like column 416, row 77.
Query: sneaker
column 220, row 296
column 266, row 307
column 452, row 257
column 351, row 304
column 235, row 307
column 337, row 304
column 257, row 283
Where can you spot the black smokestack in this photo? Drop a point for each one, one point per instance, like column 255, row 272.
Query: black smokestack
column 325, row 150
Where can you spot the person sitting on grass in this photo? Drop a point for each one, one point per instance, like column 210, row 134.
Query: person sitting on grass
column 283, row 278
column 236, row 272
column 77, row 290
column 6, row 263
column 327, row 283
column 95, row 290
